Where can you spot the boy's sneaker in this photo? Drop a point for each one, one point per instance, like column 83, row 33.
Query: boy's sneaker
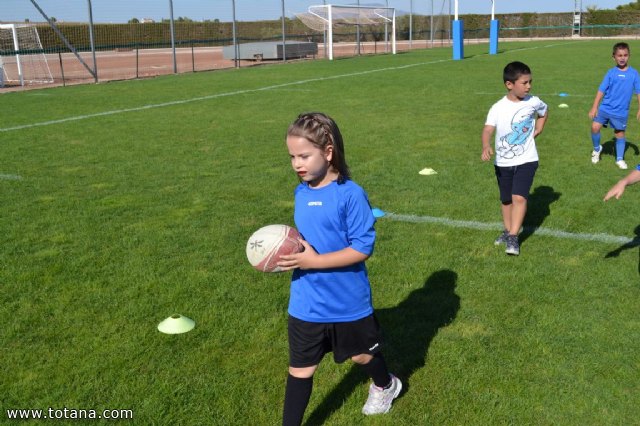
column 502, row 238
column 595, row 156
column 379, row 401
column 622, row 164
column 513, row 247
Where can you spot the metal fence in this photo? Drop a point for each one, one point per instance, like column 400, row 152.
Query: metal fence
column 98, row 40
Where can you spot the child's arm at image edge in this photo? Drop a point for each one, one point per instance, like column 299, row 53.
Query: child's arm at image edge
column 618, row 189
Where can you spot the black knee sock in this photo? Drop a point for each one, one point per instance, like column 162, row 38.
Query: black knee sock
column 377, row 370
column 296, row 398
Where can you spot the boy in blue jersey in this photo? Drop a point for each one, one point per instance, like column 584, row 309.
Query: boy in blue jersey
column 330, row 305
column 615, row 92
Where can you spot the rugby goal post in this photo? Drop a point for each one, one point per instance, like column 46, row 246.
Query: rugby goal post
column 325, row 16
column 23, row 60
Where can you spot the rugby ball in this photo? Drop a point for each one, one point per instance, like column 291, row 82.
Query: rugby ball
column 267, row 244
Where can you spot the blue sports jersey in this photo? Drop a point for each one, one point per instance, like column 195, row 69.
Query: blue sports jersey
column 618, row 87
column 332, row 218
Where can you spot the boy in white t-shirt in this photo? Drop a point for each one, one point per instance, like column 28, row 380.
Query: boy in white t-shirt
column 516, row 119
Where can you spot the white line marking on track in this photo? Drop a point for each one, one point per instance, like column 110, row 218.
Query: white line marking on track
column 603, row 238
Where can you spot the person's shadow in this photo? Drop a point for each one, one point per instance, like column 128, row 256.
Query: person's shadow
column 537, row 210
column 609, row 148
column 635, row 242
column 410, row 328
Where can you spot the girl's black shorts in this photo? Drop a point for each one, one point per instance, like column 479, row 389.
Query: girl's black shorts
column 310, row 341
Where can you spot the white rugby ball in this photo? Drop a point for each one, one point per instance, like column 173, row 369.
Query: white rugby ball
column 267, row 244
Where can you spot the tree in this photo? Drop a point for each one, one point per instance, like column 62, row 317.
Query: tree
column 635, row 5
column 133, row 21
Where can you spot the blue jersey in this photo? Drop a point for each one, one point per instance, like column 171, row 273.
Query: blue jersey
column 332, row 218
column 618, row 87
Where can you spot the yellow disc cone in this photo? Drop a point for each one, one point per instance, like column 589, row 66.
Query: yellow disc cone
column 176, row 324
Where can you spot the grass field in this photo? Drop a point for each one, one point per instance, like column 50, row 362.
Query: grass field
column 124, row 203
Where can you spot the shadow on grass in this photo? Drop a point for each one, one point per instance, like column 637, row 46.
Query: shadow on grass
column 609, row 148
column 537, row 210
column 411, row 326
column 631, row 244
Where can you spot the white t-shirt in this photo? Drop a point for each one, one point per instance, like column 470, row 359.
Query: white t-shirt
column 515, row 124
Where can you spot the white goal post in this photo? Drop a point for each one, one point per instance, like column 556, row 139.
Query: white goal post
column 323, row 18
column 23, row 61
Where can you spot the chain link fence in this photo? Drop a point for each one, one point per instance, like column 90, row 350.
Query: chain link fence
column 97, row 40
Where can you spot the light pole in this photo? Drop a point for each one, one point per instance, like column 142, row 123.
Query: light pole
column 236, row 48
column 173, row 38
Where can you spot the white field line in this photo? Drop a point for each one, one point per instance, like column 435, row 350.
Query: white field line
column 536, row 94
column 238, row 92
column 602, row 238
column 10, row 177
column 215, row 96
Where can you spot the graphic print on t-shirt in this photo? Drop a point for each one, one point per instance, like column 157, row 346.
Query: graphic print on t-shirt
column 513, row 143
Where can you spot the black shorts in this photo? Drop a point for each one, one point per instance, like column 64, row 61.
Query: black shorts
column 310, row 341
column 515, row 180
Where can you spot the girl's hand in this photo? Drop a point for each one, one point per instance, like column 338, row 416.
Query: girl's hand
column 303, row 260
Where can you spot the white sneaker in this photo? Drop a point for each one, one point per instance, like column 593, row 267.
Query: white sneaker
column 595, row 156
column 622, row 164
column 379, row 401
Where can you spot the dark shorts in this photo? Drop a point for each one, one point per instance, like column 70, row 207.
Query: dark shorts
column 515, row 180
column 310, row 341
column 616, row 123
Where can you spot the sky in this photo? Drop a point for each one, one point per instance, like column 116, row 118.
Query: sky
column 250, row 10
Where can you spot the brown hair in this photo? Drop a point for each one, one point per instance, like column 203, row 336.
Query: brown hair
column 322, row 131
column 621, row 46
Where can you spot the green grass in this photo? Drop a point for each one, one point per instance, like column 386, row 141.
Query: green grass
column 120, row 220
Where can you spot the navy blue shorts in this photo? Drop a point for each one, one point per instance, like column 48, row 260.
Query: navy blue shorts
column 515, row 180
column 310, row 341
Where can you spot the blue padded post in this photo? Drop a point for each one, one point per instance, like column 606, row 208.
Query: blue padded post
column 458, row 40
column 494, row 29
